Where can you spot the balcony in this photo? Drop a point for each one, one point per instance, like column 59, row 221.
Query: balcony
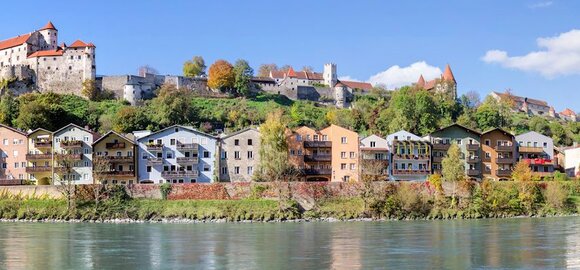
column 119, row 158
column 38, row 156
column 317, row 144
column 505, row 160
column 504, row 148
column 11, row 182
column 472, row 147
column 68, row 156
column 152, row 161
column 440, row 146
column 193, row 173
column 317, row 158
column 187, row 160
column 43, row 144
column 411, row 172
column 71, row 144
column 473, row 160
column 539, row 161
column 437, row 159
column 531, row 149
column 119, row 173
column 35, row 169
column 411, row 157
column 115, row 145
column 187, row 146
column 471, row 172
column 318, row 171
column 505, row 172
column 154, row 147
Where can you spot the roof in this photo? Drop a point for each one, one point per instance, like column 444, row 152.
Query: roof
column 49, row 25
column 421, row 81
column 37, row 130
column 278, row 74
column 455, row 124
column 522, row 99
column 568, row 112
column 448, row 74
column 180, row 126
column 56, row 52
column 80, row 44
column 13, row 129
column 240, row 132
column 306, row 75
column 113, row 132
column 498, row 129
column 71, row 124
column 358, row 85
column 13, row 42
column 291, row 72
column 263, row 79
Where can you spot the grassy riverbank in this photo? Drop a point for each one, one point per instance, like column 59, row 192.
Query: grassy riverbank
column 396, row 201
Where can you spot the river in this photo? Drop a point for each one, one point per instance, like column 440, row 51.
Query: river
column 525, row 243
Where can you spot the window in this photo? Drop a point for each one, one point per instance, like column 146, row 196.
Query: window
column 172, row 142
column 224, row 170
column 206, row 168
column 86, row 138
column 487, row 142
column 292, row 152
column 5, row 141
column 205, row 154
column 545, row 144
column 86, row 164
column 343, row 140
column 352, row 155
column 224, row 155
column 308, row 137
column 325, row 137
column 236, row 170
column 342, row 154
column 458, row 141
column 16, row 165
column 87, row 151
column 250, row 155
column 373, row 144
column 487, row 155
column 298, row 138
column 250, row 170
column 236, row 154
column 144, row 156
column 23, row 164
column 316, row 137
column 352, row 166
column 236, row 142
column 250, row 142
column 343, row 166
column 169, row 155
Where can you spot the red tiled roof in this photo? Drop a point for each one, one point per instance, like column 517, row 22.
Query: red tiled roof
column 291, row 72
column 430, row 84
column 308, row 75
column 80, row 44
column 57, row 52
column 278, row 74
column 358, row 85
column 13, row 42
column 522, row 99
column 568, row 112
column 421, row 81
column 447, row 74
column 49, row 25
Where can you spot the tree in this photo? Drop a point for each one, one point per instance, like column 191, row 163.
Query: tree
column 371, row 170
column 273, row 150
column 8, row 108
column 489, row 114
column 453, row 169
column 64, row 177
column 90, row 90
column 194, row 67
column 265, row 69
column 522, row 171
column 147, row 69
column 101, row 166
column 172, row 107
column 558, row 133
column 129, row 119
column 540, row 125
column 221, row 75
column 243, row 77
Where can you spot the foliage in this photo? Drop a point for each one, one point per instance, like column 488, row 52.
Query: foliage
column 165, row 189
column 8, row 108
column 243, row 74
column 273, row 150
column 194, row 67
column 221, row 76
column 522, row 171
column 129, row 119
column 265, row 69
column 453, row 168
column 171, row 107
column 90, row 90
column 437, row 181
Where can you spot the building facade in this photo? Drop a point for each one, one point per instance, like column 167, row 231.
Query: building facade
column 37, row 57
column 374, row 157
column 40, row 156
column 239, row 155
column 499, row 154
column 114, row 159
column 410, row 157
column 468, row 141
column 538, row 151
column 572, row 162
column 177, row 154
column 73, row 148
column 445, row 84
column 13, row 155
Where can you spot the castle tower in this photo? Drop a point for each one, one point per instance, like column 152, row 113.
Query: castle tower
column 50, row 34
column 552, row 112
column 421, row 82
column 449, row 81
column 329, row 75
column 89, row 65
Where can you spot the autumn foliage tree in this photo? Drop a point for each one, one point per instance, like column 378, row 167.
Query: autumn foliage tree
column 453, row 168
column 221, row 75
column 194, row 67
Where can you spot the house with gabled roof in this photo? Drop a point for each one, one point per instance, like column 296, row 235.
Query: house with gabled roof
column 73, row 154
column 239, row 155
column 114, row 159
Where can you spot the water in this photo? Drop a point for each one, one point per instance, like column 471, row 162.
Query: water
column 542, row 243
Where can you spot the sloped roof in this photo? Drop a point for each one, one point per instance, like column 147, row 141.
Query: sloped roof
column 57, row 52
column 240, row 132
column 39, row 129
column 49, row 25
column 498, row 129
column 80, row 44
column 13, row 42
column 180, row 126
column 522, row 99
column 448, row 74
column 421, row 81
column 113, row 132
column 458, row 125
column 358, row 85
column 13, row 129
column 568, row 112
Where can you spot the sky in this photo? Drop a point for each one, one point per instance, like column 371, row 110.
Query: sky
column 531, row 46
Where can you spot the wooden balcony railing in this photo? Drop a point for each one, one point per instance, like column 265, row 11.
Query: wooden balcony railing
column 317, row 144
column 71, row 144
column 115, row 145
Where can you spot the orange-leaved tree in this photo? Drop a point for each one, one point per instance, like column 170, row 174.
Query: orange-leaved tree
column 221, row 75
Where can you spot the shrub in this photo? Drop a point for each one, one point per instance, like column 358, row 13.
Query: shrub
column 556, row 196
column 558, row 176
column 165, row 188
column 44, row 181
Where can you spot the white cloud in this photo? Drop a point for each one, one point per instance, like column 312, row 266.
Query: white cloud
column 543, row 4
column 559, row 55
column 397, row 76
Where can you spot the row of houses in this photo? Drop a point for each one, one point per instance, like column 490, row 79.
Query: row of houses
column 182, row 154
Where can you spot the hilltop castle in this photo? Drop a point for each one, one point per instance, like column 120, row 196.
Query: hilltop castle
column 37, row 58
column 445, row 84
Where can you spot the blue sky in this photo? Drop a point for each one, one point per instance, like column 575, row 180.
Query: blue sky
column 363, row 38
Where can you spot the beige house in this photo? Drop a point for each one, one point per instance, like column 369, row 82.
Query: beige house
column 114, row 159
column 239, row 155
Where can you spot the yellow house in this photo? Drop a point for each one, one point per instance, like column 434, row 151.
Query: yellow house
column 114, row 159
column 40, row 156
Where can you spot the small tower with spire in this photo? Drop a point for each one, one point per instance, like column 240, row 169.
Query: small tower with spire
column 50, row 34
column 421, row 82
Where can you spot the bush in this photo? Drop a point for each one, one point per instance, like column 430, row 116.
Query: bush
column 44, row 181
column 558, row 176
column 556, row 196
column 165, row 188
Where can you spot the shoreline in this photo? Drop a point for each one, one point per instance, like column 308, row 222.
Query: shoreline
column 225, row 220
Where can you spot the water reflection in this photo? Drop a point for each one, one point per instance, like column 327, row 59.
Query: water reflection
column 511, row 243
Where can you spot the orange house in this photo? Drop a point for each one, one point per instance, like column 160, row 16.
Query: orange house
column 330, row 154
column 499, row 154
column 14, row 147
